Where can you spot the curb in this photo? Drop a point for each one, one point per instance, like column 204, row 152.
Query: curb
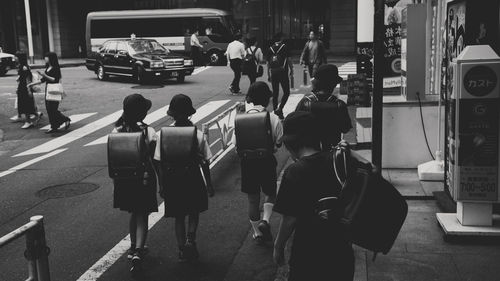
column 1, row 135
column 63, row 65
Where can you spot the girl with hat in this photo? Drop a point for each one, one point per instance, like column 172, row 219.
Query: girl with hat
column 138, row 197
column 185, row 195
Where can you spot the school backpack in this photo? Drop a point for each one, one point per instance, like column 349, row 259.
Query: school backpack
column 178, row 148
column 127, row 155
column 254, row 138
column 249, row 65
column 277, row 60
column 371, row 208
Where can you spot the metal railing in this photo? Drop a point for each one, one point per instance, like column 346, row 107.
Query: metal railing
column 224, row 126
column 36, row 252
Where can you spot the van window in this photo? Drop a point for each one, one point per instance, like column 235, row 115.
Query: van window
column 219, row 32
column 141, row 27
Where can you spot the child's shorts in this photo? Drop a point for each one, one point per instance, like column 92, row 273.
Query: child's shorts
column 259, row 175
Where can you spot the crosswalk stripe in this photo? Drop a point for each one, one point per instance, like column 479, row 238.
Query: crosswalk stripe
column 200, row 69
column 73, row 135
column 201, row 113
column 150, row 118
column 30, row 162
column 74, row 119
column 291, row 104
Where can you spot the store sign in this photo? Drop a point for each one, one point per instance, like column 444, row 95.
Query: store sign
column 480, row 80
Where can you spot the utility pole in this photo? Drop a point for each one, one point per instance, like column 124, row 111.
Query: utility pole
column 378, row 80
column 28, row 29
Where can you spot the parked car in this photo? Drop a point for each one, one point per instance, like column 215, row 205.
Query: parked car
column 142, row 59
column 7, row 61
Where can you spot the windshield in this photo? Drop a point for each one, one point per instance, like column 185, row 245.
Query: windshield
column 231, row 24
column 143, row 46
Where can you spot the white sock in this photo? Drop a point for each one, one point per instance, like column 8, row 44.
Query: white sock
column 255, row 227
column 268, row 211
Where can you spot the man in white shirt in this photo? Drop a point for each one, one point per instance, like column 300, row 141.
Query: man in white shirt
column 196, row 48
column 235, row 54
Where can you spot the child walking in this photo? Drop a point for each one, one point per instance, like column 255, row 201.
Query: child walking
column 185, row 192
column 138, row 197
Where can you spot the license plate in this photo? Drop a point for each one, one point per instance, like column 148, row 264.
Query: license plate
column 175, row 74
column 157, row 73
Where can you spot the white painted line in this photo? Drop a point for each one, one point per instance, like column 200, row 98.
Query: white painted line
column 207, row 109
column 150, row 118
column 74, row 119
column 104, row 263
column 30, row 162
column 73, row 135
column 291, row 104
column 200, row 69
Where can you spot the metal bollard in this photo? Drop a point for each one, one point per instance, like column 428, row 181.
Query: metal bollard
column 305, row 76
column 41, row 250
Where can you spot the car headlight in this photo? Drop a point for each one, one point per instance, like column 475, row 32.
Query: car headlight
column 188, row 62
column 157, row 64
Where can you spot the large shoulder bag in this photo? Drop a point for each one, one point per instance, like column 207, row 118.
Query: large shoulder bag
column 55, row 92
column 372, row 209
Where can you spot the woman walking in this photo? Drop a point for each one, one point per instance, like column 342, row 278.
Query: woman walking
column 255, row 54
column 25, row 100
column 185, row 193
column 52, row 75
column 138, row 197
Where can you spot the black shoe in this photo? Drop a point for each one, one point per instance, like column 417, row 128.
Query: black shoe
column 67, row 124
column 265, row 228
column 136, row 264
column 182, row 254
column 191, row 252
column 259, row 239
column 51, row 130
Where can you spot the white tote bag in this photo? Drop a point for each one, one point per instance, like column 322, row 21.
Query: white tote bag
column 55, row 92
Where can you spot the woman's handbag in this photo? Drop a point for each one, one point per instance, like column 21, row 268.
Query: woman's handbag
column 55, row 92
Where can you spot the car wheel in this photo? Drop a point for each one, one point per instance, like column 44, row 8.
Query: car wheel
column 3, row 71
column 101, row 74
column 216, row 58
column 181, row 78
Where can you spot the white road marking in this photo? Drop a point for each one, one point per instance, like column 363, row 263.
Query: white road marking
column 291, row 104
column 74, row 119
column 73, row 135
column 150, row 118
column 104, row 263
column 200, row 69
column 30, row 162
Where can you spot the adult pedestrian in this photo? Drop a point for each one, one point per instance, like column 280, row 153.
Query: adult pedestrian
column 52, row 75
column 320, row 249
column 331, row 113
column 254, row 57
column 25, row 99
column 313, row 55
column 280, row 67
column 136, row 196
column 185, row 192
column 196, row 48
column 235, row 53
column 259, row 175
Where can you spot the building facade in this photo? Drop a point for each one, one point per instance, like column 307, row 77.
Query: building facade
column 59, row 25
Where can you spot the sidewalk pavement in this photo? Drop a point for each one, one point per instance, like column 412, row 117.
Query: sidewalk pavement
column 420, row 252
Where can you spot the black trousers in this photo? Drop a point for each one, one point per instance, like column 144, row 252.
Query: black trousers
column 235, row 65
column 56, row 118
column 280, row 77
column 196, row 55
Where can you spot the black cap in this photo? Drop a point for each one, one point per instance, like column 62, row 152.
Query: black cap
column 181, row 104
column 328, row 73
column 300, row 125
column 135, row 107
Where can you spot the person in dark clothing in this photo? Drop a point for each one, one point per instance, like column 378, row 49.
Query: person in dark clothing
column 25, row 99
column 136, row 196
column 279, row 64
column 185, row 192
column 330, row 112
column 52, row 74
column 320, row 249
column 256, row 57
column 313, row 55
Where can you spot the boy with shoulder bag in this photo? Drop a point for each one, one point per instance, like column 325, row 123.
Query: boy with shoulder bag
column 257, row 136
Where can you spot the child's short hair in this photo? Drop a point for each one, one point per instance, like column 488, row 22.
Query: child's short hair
column 300, row 129
column 259, row 94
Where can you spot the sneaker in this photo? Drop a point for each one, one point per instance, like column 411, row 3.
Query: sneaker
column 259, row 239
column 265, row 228
column 191, row 252
column 279, row 113
column 67, row 124
column 136, row 264
column 131, row 251
column 27, row 125
column 16, row 118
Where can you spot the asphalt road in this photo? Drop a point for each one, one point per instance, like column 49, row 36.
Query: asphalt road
column 82, row 228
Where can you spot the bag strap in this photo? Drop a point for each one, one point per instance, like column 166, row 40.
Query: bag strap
column 253, row 109
column 343, row 152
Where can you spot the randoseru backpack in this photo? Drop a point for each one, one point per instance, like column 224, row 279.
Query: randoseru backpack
column 254, row 139
column 370, row 207
column 127, row 155
column 249, row 65
column 277, row 61
column 178, row 148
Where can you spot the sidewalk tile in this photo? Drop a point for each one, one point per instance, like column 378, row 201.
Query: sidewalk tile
column 478, row 267
column 432, row 186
